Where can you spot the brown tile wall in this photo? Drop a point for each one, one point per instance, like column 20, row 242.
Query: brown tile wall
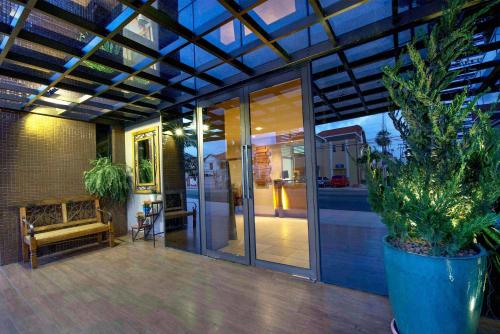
column 119, row 211
column 41, row 157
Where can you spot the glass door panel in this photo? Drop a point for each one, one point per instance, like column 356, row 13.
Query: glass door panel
column 279, row 175
column 224, row 215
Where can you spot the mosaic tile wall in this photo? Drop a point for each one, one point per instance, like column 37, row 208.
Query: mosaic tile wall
column 40, row 158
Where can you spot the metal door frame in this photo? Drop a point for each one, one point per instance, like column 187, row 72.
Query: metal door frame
column 243, row 93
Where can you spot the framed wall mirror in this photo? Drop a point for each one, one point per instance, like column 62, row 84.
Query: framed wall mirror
column 146, row 161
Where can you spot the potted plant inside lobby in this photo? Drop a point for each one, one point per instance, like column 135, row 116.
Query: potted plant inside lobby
column 438, row 199
column 107, row 180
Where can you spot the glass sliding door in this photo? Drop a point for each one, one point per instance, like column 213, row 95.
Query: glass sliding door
column 279, row 175
column 223, row 179
column 256, row 198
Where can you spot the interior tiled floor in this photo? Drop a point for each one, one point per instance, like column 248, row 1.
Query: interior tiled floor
column 280, row 240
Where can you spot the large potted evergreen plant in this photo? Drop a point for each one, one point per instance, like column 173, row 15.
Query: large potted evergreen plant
column 437, row 200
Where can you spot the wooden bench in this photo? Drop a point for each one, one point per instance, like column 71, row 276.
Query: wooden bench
column 174, row 209
column 52, row 222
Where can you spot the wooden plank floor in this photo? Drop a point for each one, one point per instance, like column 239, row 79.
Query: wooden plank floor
column 134, row 288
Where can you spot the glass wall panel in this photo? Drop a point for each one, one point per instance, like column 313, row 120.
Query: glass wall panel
column 180, row 179
column 223, row 178
column 279, row 175
column 350, row 232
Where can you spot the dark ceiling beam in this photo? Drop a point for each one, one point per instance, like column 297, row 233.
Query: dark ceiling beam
column 76, row 52
column 362, row 35
column 94, row 45
column 36, row 63
column 390, row 53
column 95, row 29
column 234, row 8
column 172, row 25
column 379, row 75
column 18, row 23
column 322, row 96
column 296, row 26
column 318, row 10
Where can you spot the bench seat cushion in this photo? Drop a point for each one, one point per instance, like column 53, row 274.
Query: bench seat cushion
column 178, row 214
column 50, row 237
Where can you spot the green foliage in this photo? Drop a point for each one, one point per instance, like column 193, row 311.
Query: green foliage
column 145, row 171
column 443, row 193
column 107, row 180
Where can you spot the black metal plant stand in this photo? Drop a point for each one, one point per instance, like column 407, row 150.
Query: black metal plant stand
column 148, row 227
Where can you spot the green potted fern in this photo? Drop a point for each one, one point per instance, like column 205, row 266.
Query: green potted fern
column 107, row 180
column 439, row 199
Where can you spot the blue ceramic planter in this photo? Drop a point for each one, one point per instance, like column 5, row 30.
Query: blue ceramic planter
column 431, row 294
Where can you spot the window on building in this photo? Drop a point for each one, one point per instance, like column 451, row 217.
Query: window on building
column 334, row 148
column 343, row 147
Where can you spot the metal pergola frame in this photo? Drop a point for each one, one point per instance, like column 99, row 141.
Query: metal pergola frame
column 168, row 92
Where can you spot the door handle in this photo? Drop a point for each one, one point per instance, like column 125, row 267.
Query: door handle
column 243, row 171
column 249, row 171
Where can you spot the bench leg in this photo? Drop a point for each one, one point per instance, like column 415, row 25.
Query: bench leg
column 111, row 237
column 99, row 238
column 26, row 251
column 33, row 248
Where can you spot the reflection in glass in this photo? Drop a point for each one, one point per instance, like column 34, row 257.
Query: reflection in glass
column 279, row 175
column 350, row 232
column 145, row 161
column 223, row 178
column 180, row 179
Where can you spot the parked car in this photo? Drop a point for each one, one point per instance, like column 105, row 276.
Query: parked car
column 339, row 181
column 323, row 182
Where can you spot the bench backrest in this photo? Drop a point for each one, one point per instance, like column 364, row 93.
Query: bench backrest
column 58, row 214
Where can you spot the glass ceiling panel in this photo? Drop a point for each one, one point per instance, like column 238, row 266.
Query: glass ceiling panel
column 122, row 55
column 100, row 12
column 152, row 100
column 8, row 11
column 98, row 70
column 179, row 11
column 202, row 56
column 373, row 68
column 259, row 57
column 23, row 85
column 119, row 92
column 317, row 33
column 296, row 41
column 331, row 80
column 109, row 104
column 81, row 84
column 205, row 11
column 369, row 49
column 326, row 63
column 223, row 71
column 227, row 37
column 142, row 84
column 7, row 64
column 58, row 30
column 149, row 33
column 275, row 14
column 66, row 95
column 39, row 52
column 340, row 92
column 167, row 72
column 368, row 12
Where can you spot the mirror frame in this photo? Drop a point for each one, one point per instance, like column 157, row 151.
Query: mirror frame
column 150, row 134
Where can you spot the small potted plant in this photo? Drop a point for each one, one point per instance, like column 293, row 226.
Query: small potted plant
column 146, row 207
column 438, row 199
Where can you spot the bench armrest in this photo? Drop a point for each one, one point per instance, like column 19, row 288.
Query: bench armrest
column 30, row 227
column 110, row 216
